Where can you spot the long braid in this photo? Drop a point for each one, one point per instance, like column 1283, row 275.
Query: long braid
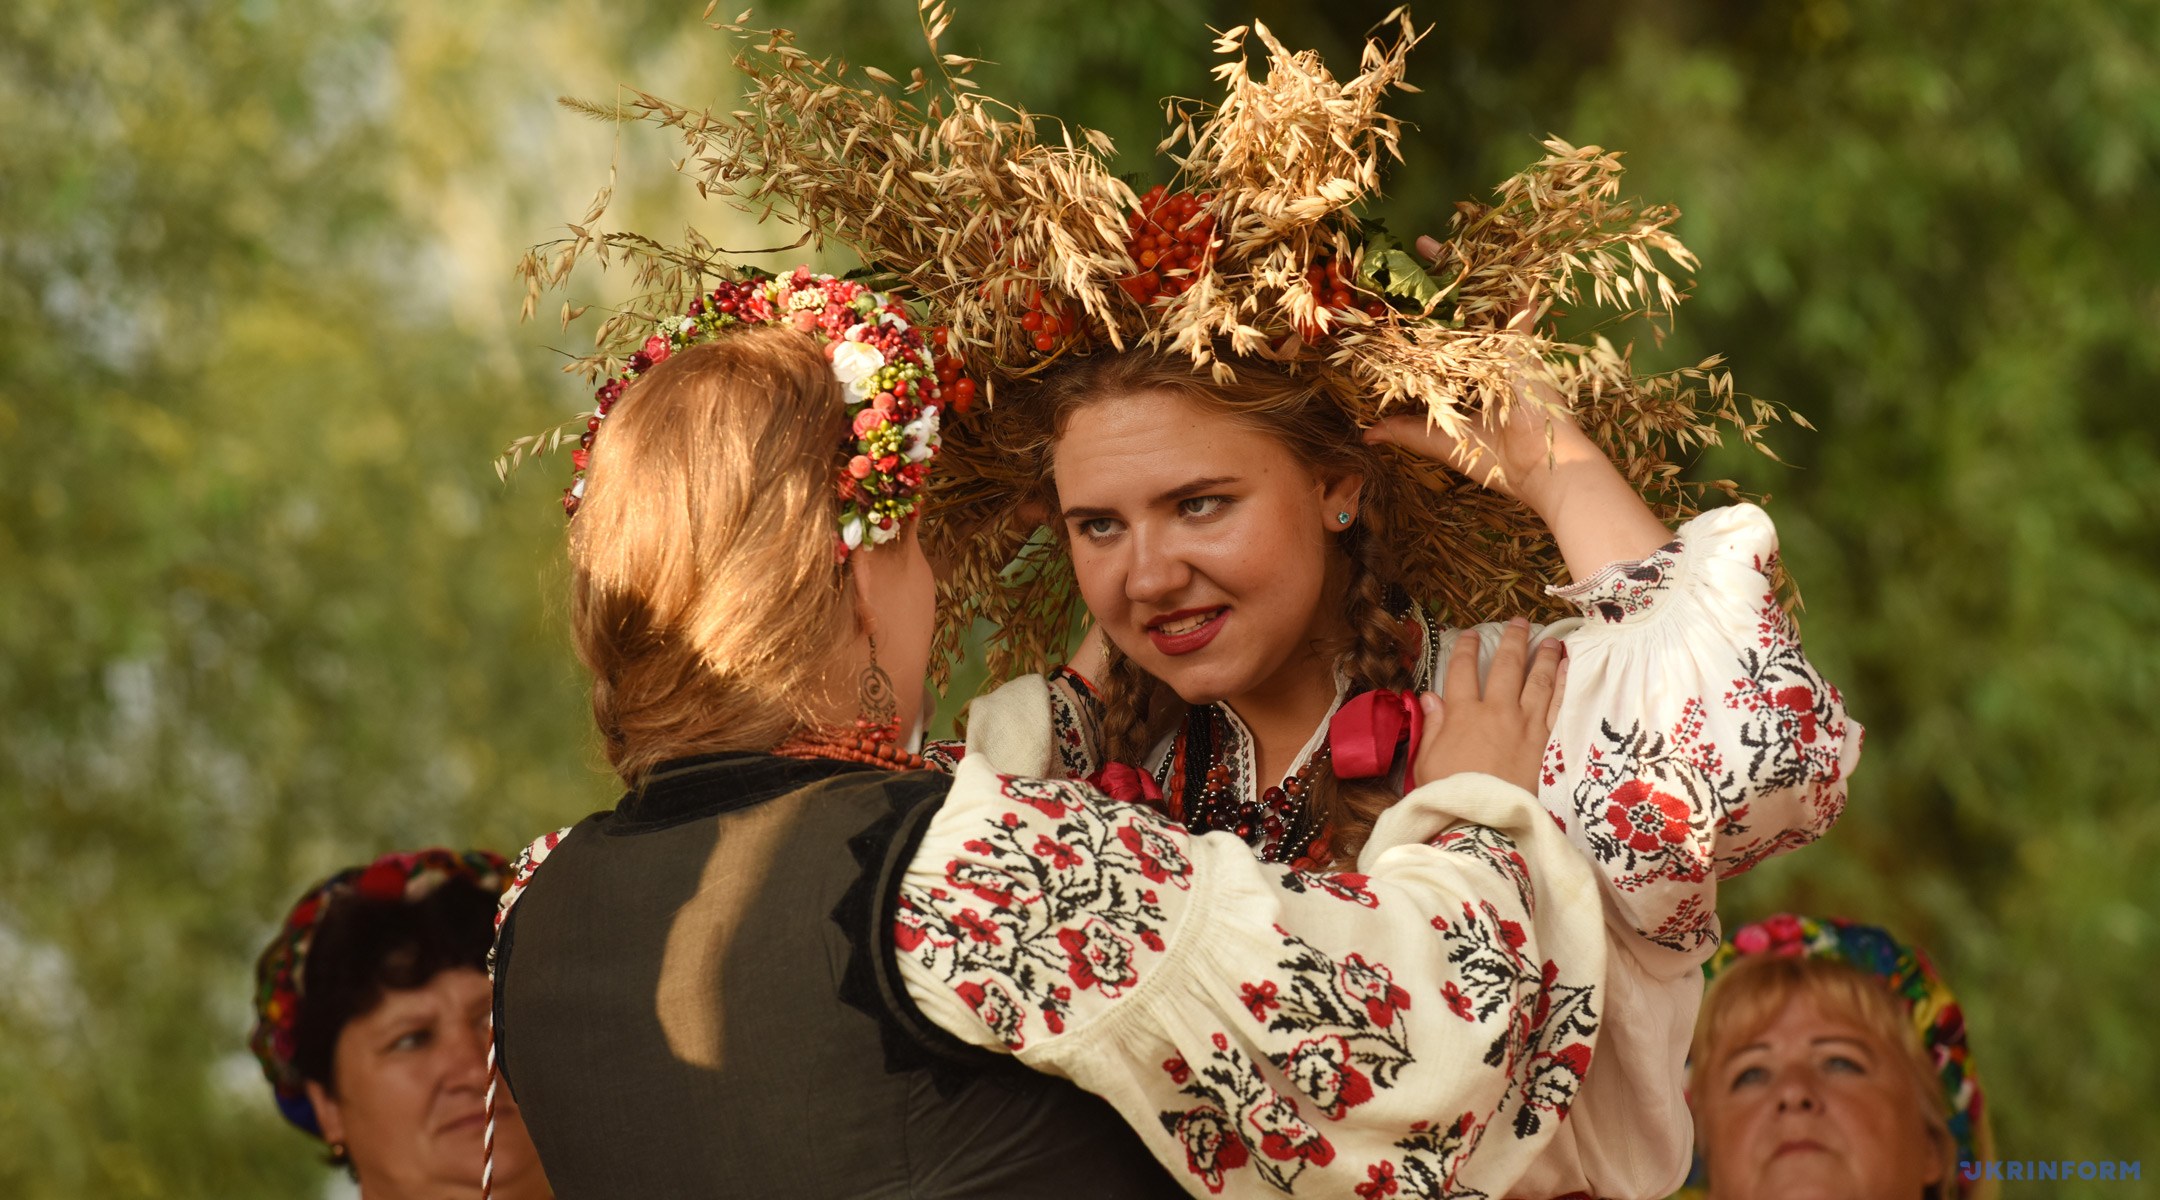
column 1131, row 699
column 1373, row 658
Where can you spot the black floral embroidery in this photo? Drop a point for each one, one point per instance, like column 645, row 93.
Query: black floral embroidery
column 1347, row 886
column 1543, row 1044
column 1433, row 1157
column 1239, row 1121
column 1075, row 723
column 1657, row 807
column 1497, row 851
column 1033, row 916
column 1623, row 589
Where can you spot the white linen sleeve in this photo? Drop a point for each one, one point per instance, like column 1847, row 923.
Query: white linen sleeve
column 1421, row 1029
column 1695, row 741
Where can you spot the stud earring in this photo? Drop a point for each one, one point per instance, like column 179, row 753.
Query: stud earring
column 1342, row 518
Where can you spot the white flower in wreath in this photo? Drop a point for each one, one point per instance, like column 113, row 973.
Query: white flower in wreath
column 920, row 436
column 888, row 317
column 855, row 364
column 881, row 534
column 851, row 531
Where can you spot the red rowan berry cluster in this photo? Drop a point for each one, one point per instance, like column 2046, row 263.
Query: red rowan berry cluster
column 1172, row 238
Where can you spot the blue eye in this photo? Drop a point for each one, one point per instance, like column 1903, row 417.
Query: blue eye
column 1203, row 506
column 412, row 1039
column 1750, row 1077
column 1097, row 528
column 1839, row 1062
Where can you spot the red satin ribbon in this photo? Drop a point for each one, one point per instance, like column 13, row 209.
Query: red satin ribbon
column 1366, row 731
column 1126, row 783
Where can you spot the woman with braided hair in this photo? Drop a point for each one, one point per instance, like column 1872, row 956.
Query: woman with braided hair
column 792, row 961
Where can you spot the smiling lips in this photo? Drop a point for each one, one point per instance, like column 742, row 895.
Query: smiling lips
column 1186, row 630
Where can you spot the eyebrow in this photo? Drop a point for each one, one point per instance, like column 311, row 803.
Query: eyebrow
column 1815, row 1041
column 1182, row 491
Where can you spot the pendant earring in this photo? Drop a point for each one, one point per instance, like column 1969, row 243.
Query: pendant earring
column 880, row 719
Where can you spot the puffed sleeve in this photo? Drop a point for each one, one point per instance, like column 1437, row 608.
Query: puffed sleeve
column 1695, row 741
column 1418, row 1029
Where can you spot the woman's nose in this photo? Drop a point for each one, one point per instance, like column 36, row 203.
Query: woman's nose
column 468, row 1055
column 1157, row 571
column 1796, row 1092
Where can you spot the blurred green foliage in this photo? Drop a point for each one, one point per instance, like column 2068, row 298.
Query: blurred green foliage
column 265, row 611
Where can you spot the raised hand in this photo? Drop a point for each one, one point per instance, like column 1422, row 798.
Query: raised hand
column 1499, row 729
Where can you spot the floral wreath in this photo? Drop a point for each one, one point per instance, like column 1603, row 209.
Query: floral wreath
column 895, row 388
column 281, row 972
column 1019, row 238
column 1916, row 986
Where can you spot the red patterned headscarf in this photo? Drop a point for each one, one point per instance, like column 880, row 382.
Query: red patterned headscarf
column 281, row 972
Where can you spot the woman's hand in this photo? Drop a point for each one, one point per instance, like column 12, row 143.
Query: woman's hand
column 1500, row 729
column 1538, row 455
column 1517, row 455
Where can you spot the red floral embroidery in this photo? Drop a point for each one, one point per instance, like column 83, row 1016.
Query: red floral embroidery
column 1286, row 1137
column 1379, row 1181
column 1098, row 958
column 1260, row 999
column 1057, row 854
column 1211, row 1146
column 1323, row 1069
column 1374, row 985
column 1458, row 1001
column 1647, row 819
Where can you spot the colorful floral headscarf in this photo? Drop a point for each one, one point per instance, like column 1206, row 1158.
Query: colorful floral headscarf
column 1919, row 991
column 281, row 971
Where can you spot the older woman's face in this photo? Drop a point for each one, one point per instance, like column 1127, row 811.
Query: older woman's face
column 1200, row 544
column 411, row 1099
column 1814, row 1107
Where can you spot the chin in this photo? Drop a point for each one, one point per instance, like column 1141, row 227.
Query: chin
column 1198, row 683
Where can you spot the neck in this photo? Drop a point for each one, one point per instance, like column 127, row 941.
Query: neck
column 1287, row 706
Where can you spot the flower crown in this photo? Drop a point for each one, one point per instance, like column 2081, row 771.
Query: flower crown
column 281, row 972
column 895, row 386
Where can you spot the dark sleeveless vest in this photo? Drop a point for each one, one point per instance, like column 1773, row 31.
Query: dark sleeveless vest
column 696, row 996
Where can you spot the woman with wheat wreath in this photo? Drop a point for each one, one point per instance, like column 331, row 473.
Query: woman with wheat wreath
column 1180, row 379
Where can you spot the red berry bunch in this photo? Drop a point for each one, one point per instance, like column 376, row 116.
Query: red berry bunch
column 958, row 389
column 1046, row 321
column 1173, row 236
column 1332, row 285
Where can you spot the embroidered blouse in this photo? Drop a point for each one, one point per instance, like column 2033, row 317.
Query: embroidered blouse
column 1302, row 1033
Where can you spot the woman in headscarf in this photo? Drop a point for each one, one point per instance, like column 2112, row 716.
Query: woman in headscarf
column 371, row 1010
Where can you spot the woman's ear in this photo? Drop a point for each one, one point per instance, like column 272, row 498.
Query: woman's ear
column 1339, row 502
column 328, row 1117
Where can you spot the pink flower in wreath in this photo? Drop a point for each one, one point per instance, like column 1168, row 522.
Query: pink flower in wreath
column 1373, row 985
column 1645, row 818
column 657, row 348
